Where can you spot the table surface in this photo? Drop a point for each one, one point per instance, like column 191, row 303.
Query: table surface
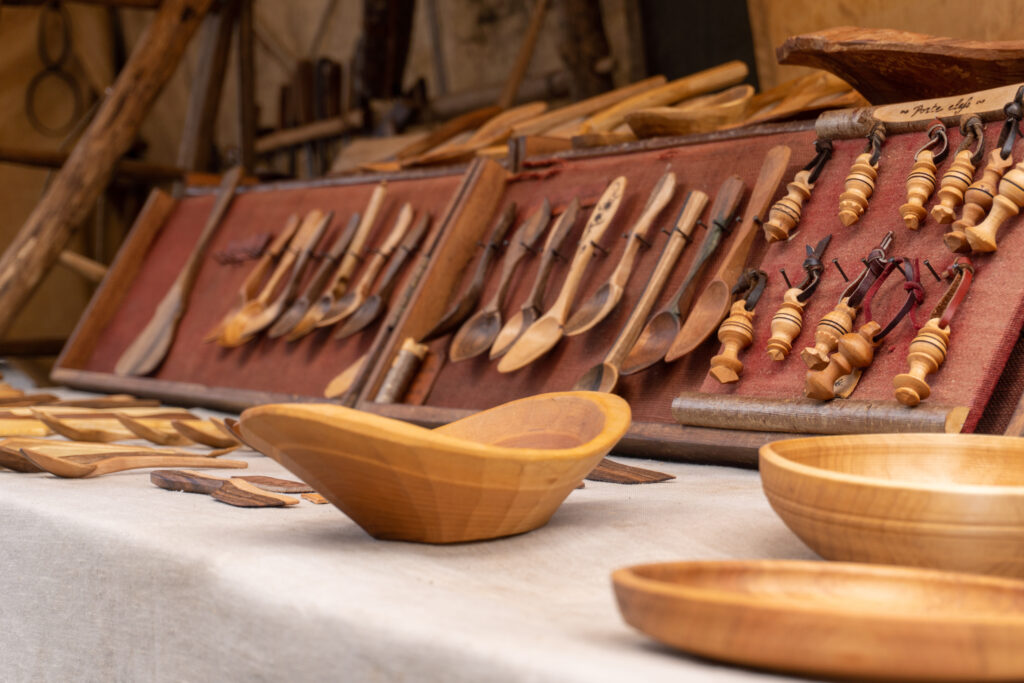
column 114, row 579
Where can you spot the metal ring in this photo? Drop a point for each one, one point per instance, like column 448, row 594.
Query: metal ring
column 30, row 107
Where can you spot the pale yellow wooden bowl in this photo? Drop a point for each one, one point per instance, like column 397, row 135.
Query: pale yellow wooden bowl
column 949, row 501
column 832, row 620
column 496, row 473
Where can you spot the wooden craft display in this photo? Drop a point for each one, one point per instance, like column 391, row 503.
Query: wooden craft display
column 960, row 174
column 737, row 331
column 1005, row 205
column 977, row 201
column 788, row 321
column 921, row 180
column 860, row 181
column 784, row 216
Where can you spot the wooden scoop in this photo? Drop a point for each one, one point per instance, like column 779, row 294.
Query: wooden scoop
column 605, row 376
column 531, row 308
column 653, row 342
column 375, row 305
column 205, row 432
column 163, row 437
column 354, row 298
column 477, row 334
column 287, row 322
column 145, row 354
column 713, row 304
column 543, row 335
column 607, row 296
column 64, row 467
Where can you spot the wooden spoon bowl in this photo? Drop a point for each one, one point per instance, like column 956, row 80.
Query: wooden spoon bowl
column 948, row 501
column 832, row 620
column 500, row 472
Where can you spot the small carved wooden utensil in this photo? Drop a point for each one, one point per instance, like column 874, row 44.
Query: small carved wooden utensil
column 204, row 432
column 784, row 215
column 921, row 180
column 150, row 347
column 63, row 467
column 354, row 298
column 860, row 182
column 378, row 301
column 607, row 296
column 788, row 321
column 737, row 331
column 287, row 322
column 469, row 298
column 153, row 433
column 478, row 332
column 713, row 305
column 545, row 333
column 839, row 320
column 929, row 348
column 662, row 328
column 960, row 175
column 531, row 308
column 605, row 376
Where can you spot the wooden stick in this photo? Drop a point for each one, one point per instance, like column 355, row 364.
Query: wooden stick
column 515, row 77
column 88, row 170
column 83, row 265
column 128, row 169
column 807, row 416
column 318, row 130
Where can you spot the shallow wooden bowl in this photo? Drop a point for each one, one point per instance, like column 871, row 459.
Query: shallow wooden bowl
column 499, row 472
column 949, row 501
column 832, row 619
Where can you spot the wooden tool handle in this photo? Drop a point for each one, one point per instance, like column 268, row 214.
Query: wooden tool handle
column 521, row 244
column 225, row 194
column 1007, row 203
column 660, row 196
column 736, row 333
column 411, row 243
column 855, row 350
column 563, row 226
column 394, row 238
column 835, row 324
column 252, row 283
column 927, row 353
column 952, row 187
column 122, row 463
column 310, row 223
column 920, row 185
column 784, row 215
column 860, row 184
column 353, row 255
column 787, row 323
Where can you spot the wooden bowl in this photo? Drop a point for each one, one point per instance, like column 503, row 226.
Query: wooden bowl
column 949, row 501
column 498, row 472
column 830, row 619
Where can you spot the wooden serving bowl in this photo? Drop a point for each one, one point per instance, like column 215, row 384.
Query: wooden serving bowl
column 831, row 619
column 949, row 501
column 495, row 473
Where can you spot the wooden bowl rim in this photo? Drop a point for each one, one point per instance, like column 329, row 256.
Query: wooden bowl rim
column 769, row 454
column 614, row 408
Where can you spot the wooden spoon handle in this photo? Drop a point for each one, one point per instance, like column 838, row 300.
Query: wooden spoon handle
column 563, row 226
column 523, row 241
column 412, row 241
column 298, row 244
column 661, row 195
column 251, row 286
column 225, row 194
column 352, row 256
column 490, row 248
column 380, row 256
column 119, row 463
column 323, row 272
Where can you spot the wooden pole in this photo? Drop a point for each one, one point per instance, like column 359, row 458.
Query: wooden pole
column 89, row 168
column 125, row 169
column 522, row 63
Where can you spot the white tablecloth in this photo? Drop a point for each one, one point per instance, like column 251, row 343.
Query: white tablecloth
column 113, row 579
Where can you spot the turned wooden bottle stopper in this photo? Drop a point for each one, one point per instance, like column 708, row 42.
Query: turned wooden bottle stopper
column 736, row 334
column 920, row 185
column 860, row 184
column 952, row 187
column 1006, row 204
column 785, row 213
column 855, row 350
column 786, row 325
column 927, row 353
column 977, row 201
column 835, row 324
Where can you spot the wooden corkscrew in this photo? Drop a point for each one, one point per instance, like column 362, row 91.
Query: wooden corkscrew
column 839, row 320
column 856, row 350
column 789, row 320
column 930, row 346
column 737, row 331
column 921, row 180
column 960, row 174
column 784, row 215
column 860, row 182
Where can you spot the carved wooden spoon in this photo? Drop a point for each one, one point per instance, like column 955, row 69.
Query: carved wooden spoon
column 205, row 432
column 534, row 303
column 653, row 342
column 605, row 376
column 607, row 296
column 544, row 334
column 713, row 304
column 477, row 334
column 63, row 467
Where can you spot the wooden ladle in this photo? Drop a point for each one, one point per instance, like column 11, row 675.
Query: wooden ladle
column 531, row 308
column 713, row 304
column 605, row 376
column 477, row 334
column 544, row 334
column 653, row 342
column 607, row 296
column 63, row 467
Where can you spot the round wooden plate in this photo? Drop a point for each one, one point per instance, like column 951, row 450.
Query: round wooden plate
column 832, row 619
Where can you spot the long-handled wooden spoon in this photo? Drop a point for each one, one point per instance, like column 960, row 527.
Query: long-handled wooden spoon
column 338, row 284
column 495, row 131
column 607, row 296
column 145, row 354
column 605, row 376
column 544, row 334
column 478, row 332
column 205, row 432
column 163, row 437
column 287, row 322
column 64, row 467
column 376, row 304
column 354, row 298
column 653, row 342
column 713, row 305
column 534, row 303
column 458, row 313
column 251, row 286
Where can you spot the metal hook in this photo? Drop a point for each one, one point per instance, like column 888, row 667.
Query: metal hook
column 936, row 138
column 973, row 132
column 1013, row 111
column 824, row 153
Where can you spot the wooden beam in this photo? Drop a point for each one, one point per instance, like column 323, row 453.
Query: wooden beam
column 318, row 130
column 141, row 171
column 89, row 168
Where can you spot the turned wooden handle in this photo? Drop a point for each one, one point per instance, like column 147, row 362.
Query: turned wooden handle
column 952, row 187
column 736, row 333
column 860, row 184
column 784, row 215
column 835, row 324
column 977, row 201
column 920, row 185
column 927, row 353
column 787, row 323
column 1007, row 203
column 660, row 196
column 855, row 350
